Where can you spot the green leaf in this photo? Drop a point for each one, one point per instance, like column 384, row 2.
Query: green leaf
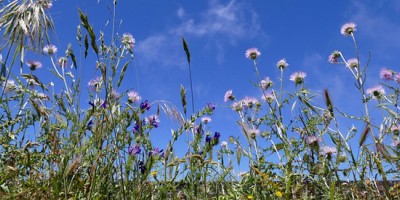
column 123, row 73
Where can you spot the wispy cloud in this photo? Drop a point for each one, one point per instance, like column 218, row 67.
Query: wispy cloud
column 232, row 20
column 225, row 23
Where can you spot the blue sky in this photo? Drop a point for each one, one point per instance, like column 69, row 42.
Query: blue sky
column 218, row 34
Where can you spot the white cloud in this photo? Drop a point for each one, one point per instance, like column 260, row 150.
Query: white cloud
column 161, row 50
column 232, row 20
column 181, row 12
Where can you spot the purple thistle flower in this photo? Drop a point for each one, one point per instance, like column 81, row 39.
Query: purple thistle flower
column 252, row 53
column 133, row 97
column 228, row 96
column 33, row 65
column 282, row 64
column 266, row 83
column 376, row 92
column 62, row 61
column 397, row 77
column 352, row 63
column 128, row 40
column 333, row 58
column 386, row 74
column 144, row 105
column 298, row 77
column 249, row 102
column 313, row 139
column 348, row 29
column 94, row 84
column 269, row 97
column 325, row 150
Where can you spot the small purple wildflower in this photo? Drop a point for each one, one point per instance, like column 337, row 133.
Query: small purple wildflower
column 135, row 150
column 228, row 96
column 298, row 77
column 237, row 106
column 348, row 29
column 386, row 74
column 208, row 138
column 252, row 133
column 252, row 53
column 396, row 143
column 376, row 92
column 153, row 121
column 211, row 107
column 33, row 65
column 89, row 125
column 217, row 135
column 144, row 105
column 142, row 167
column 395, row 129
column 157, row 152
column 136, row 127
column 199, row 130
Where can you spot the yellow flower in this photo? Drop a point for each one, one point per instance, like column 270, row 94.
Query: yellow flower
column 278, row 193
column 154, row 173
column 250, row 197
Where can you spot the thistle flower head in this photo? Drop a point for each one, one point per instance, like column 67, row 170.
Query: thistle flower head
column 397, row 77
column 229, row 96
column 269, row 97
column 326, row 150
column 50, row 49
column 33, row 65
column 352, row 63
column 62, row 61
column 206, row 119
column 153, row 121
column 252, row 53
column 333, row 58
column 298, row 77
column 348, row 29
column 128, row 40
column 282, row 64
column 313, row 139
column 133, row 97
column 376, row 92
column 266, row 83
column 386, row 74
